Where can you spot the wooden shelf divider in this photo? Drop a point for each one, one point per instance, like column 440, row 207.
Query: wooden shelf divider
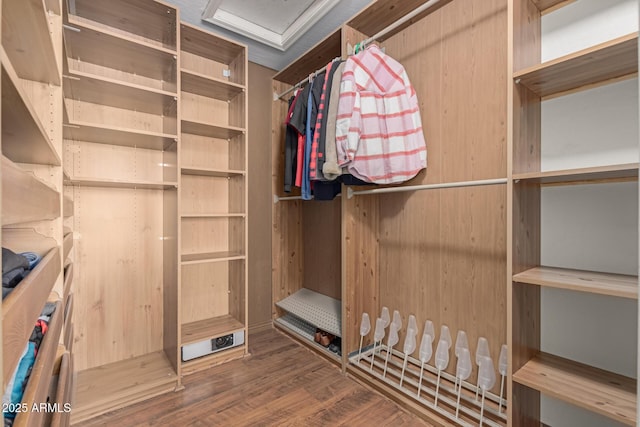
column 599, row 391
column 221, row 173
column 24, row 138
column 114, row 135
column 617, row 285
column 200, row 258
column 597, row 64
column 26, row 198
column 118, row 183
column 21, row 308
column 27, row 42
column 37, row 388
column 200, row 84
column 67, row 245
column 210, row 130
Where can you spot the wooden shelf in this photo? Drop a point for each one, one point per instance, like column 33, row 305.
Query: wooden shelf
column 216, row 215
column 68, row 280
column 628, row 171
column 118, row 52
column 37, row 388
column 305, row 332
column 597, row 64
column 211, row 257
column 149, row 21
column 547, row 5
column 209, row 328
column 88, row 87
column 25, row 198
column 24, row 138
column 117, row 183
column 599, row 391
column 103, row 134
column 617, row 285
column 118, row 384
column 27, row 41
column 211, row 172
column 210, row 130
column 21, row 308
column 211, row 87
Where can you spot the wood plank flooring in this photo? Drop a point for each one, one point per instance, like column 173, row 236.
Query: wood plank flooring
column 282, row 384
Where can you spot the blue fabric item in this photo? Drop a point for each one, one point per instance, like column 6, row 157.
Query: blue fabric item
column 22, row 375
column 33, row 259
column 306, row 182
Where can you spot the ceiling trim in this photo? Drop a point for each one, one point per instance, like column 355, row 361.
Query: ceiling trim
column 213, row 14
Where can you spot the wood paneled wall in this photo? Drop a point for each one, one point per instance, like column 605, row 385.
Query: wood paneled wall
column 441, row 254
column 260, row 200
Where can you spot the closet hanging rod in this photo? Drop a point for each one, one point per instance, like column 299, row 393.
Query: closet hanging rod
column 496, row 181
column 277, row 198
column 297, row 85
column 406, row 18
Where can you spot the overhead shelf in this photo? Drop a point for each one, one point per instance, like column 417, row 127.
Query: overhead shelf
column 21, row 308
column 209, row 328
column 24, row 138
column 597, row 64
column 626, row 171
column 211, row 87
column 118, row 183
column 320, row 310
column 210, row 130
column 617, row 285
column 596, row 390
column 27, row 41
column 114, row 135
column 200, row 258
column 212, row 172
column 88, row 87
column 25, row 198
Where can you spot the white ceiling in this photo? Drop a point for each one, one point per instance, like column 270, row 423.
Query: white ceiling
column 275, row 14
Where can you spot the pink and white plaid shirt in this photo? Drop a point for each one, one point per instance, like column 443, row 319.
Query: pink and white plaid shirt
column 379, row 135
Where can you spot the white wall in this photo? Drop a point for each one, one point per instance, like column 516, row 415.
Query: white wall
column 591, row 227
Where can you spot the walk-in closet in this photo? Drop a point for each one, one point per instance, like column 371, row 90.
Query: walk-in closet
column 393, row 212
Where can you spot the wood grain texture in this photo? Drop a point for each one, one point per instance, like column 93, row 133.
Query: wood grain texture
column 210, row 46
column 22, row 307
column 605, row 393
column 170, row 291
column 209, row 328
column 152, row 21
column 606, row 61
column 259, row 194
column 112, row 292
column 381, row 14
column 627, row 171
column 282, row 383
column 116, row 385
column 64, row 391
column 322, row 249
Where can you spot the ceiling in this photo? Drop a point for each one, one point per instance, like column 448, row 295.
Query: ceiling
column 276, row 31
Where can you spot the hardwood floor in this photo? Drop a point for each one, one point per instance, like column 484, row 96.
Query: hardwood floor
column 282, row 384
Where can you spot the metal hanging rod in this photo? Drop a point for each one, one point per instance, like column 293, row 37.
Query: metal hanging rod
column 277, row 198
column 300, row 83
column 351, row 193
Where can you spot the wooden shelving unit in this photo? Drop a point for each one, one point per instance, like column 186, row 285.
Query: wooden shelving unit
column 602, row 392
column 617, row 285
column 213, row 192
column 533, row 371
column 588, row 67
column 121, row 136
